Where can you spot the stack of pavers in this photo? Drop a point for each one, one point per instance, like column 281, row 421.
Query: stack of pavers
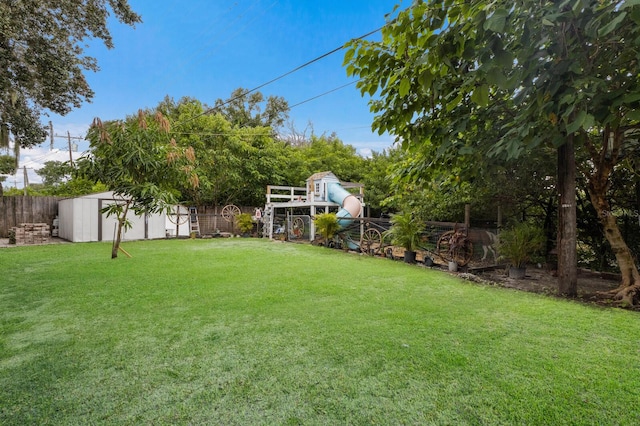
column 32, row 233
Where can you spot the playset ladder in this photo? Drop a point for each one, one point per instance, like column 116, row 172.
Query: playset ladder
column 267, row 223
column 194, row 225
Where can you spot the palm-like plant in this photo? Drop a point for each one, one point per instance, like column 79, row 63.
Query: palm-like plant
column 327, row 225
column 245, row 222
column 520, row 243
column 405, row 231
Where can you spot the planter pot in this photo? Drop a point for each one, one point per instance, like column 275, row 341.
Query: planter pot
column 409, row 256
column 428, row 261
column 453, row 267
column 517, row 273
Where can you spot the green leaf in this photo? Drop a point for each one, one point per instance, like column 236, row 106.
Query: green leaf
column 405, row 85
column 348, row 56
column 633, row 115
column 350, row 70
column 425, row 79
column 589, row 121
column 496, row 21
column 577, row 123
column 630, row 98
column 496, row 77
column 629, row 3
column 577, row 6
column 454, row 103
column 504, row 58
column 612, row 25
column 569, row 110
column 481, row 95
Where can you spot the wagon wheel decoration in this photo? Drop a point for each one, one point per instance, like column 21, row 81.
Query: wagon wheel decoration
column 229, row 212
column 179, row 216
column 297, row 227
column 371, row 241
column 454, row 246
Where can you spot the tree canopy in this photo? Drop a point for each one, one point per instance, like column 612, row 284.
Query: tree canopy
column 235, row 161
column 504, row 79
column 42, row 58
column 136, row 160
column 243, row 109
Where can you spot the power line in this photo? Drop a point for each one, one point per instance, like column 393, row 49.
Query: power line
column 81, row 138
column 323, row 94
column 44, row 156
column 298, row 68
column 268, row 133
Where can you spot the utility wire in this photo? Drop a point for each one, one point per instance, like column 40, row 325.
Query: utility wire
column 306, row 64
column 44, row 156
column 323, row 94
column 269, row 133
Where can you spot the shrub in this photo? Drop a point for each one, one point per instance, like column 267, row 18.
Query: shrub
column 405, row 231
column 327, row 225
column 521, row 243
column 245, row 222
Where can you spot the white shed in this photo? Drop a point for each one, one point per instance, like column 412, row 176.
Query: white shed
column 80, row 220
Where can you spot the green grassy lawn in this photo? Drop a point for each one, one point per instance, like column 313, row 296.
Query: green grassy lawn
column 245, row 331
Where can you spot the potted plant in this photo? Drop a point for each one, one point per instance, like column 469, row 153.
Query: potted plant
column 327, row 225
column 245, row 223
column 519, row 245
column 405, row 232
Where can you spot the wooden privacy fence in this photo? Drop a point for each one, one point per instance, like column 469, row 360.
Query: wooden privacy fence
column 212, row 220
column 26, row 209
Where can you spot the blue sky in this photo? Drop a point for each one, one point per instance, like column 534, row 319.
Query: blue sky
column 207, row 48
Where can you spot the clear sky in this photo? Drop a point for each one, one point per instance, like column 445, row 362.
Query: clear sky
column 207, row 48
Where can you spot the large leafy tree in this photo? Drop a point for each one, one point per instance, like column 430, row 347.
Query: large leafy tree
column 234, row 163
column 137, row 160
column 322, row 153
column 7, row 167
column 250, row 109
column 55, row 172
column 42, row 58
column 504, row 78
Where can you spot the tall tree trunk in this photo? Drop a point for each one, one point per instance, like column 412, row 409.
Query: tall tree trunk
column 624, row 257
column 604, row 162
column 567, row 251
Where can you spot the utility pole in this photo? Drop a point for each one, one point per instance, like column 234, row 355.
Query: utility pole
column 70, row 156
column 50, row 136
column 26, row 179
